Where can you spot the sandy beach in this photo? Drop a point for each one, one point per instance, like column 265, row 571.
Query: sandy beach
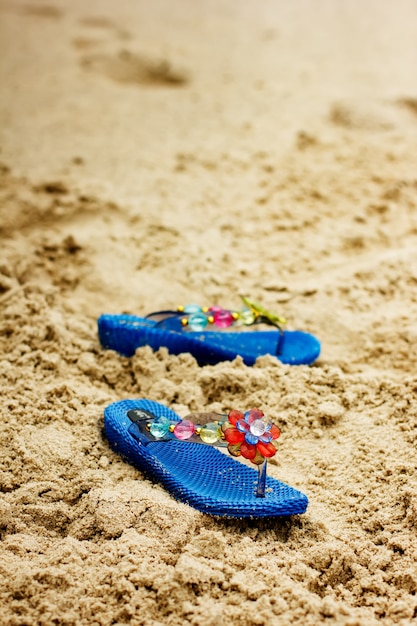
column 160, row 153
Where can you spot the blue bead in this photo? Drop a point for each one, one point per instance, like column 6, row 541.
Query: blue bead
column 197, row 321
column 159, row 428
column 192, row 308
column 252, row 439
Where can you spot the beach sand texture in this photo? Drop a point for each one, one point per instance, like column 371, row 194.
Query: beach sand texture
column 159, row 153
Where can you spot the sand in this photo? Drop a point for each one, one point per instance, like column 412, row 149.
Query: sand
column 159, row 153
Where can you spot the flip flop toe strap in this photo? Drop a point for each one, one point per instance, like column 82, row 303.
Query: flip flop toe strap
column 249, row 434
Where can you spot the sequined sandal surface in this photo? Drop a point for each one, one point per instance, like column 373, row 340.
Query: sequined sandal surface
column 210, row 334
column 168, row 449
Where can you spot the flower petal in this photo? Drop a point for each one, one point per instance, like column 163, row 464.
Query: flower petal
column 275, row 431
column 234, row 416
column 234, row 449
column 242, row 426
column 232, row 435
column 252, row 415
column 266, row 437
column 259, row 459
column 248, row 451
column 251, row 439
column 266, row 449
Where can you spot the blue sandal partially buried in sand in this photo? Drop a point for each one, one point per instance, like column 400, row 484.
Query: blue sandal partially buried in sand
column 168, row 449
column 210, row 334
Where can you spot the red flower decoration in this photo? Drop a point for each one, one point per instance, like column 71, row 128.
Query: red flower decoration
column 251, row 435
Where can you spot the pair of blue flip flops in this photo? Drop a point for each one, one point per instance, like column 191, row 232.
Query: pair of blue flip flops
column 155, row 439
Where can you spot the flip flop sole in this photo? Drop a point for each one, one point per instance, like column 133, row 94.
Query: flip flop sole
column 126, row 333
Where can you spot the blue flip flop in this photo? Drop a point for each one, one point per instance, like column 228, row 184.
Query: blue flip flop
column 188, row 329
column 154, row 439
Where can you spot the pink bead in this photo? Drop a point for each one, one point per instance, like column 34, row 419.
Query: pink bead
column 223, row 318
column 184, row 429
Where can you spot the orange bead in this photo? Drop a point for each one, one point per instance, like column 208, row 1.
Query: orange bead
column 266, row 449
column 248, row 451
column 275, row 431
column 233, row 435
column 234, row 416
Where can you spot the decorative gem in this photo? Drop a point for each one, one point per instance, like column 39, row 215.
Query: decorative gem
column 192, row 308
column 197, row 321
column 234, row 449
column 184, row 429
column 249, row 434
column 159, row 427
column 253, row 433
column 210, row 433
column 259, row 311
column 223, row 318
column 247, row 317
column 197, row 317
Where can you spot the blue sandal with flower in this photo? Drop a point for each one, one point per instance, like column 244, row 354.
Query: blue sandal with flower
column 157, row 441
column 203, row 331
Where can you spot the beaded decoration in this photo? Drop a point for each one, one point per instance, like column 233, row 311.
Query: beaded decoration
column 197, row 318
column 251, row 435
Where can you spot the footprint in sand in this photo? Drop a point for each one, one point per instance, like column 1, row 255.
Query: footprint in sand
column 373, row 114
column 410, row 104
column 43, row 10
column 130, row 68
column 104, row 24
column 23, row 204
column 36, row 10
column 98, row 22
column 84, row 43
column 125, row 66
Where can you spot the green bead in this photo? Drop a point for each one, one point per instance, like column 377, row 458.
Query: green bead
column 258, row 459
column 210, row 433
column 234, row 449
column 246, row 317
column 159, row 428
column 197, row 321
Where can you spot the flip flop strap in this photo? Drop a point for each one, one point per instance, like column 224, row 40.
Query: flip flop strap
column 196, row 318
column 248, row 434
